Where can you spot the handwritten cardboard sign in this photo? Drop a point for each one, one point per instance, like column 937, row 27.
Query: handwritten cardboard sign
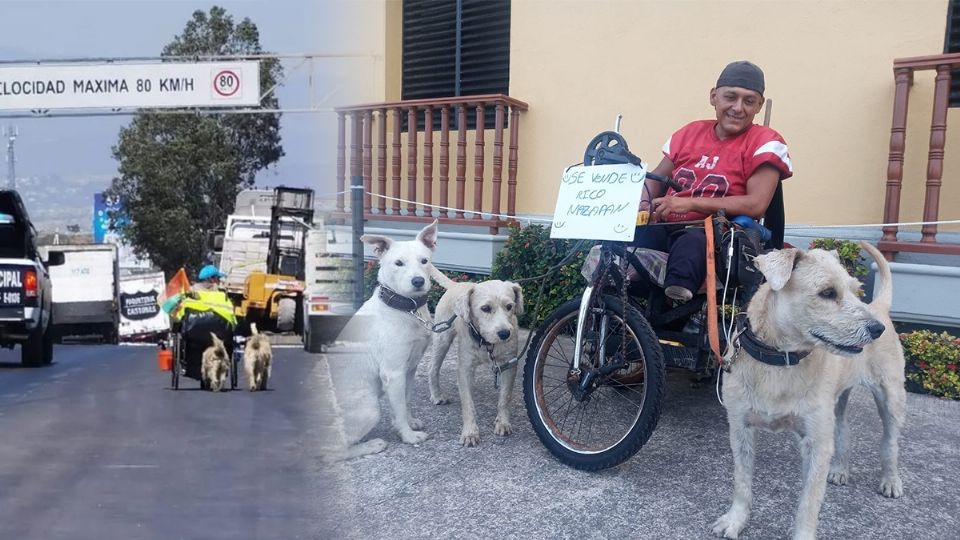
column 598, row 202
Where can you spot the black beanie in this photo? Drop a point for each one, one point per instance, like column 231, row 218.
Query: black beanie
column 742, row 74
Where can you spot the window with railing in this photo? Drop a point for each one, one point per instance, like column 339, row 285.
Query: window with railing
column 455, row 48
column 951, row 44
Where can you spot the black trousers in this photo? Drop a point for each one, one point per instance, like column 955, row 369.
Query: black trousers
column 687, row 264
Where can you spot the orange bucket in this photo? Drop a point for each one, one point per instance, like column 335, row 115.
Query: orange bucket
column 165, row 359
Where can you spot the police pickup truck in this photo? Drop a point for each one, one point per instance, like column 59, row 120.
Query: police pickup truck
column 25, row 294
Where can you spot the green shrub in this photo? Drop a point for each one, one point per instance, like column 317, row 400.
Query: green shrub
column 932, row 361
column 530, row 252
column 849, row 252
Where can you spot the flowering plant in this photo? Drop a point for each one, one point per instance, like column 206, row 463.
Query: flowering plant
column 932, row 361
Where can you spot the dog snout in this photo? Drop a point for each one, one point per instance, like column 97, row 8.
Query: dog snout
column 875, row 328
column 503, row 335
column 418, row 282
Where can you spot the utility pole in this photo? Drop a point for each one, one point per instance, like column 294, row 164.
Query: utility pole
column 11, row 133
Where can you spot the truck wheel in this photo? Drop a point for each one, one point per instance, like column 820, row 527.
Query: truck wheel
column 48, row 340
column 286, row 314
column 311, row 341
column 31, row 352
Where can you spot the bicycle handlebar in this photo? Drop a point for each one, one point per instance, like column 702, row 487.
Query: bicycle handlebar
column 666, row 180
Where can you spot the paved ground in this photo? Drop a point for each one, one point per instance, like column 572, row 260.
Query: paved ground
column 674, row 488
column 96, row 446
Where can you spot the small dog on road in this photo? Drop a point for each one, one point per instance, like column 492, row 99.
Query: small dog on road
column 215, row 365
column 257, row 360
column 384, row 342
column 808, row 314
column 486, row 330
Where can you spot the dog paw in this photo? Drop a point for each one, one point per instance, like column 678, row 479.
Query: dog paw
column 891, row 486
column 728, row 525
column 415, row 424
column 502, row 428
column 838, row 477
column 414, row 437
column 440, row 399
column 470, row 437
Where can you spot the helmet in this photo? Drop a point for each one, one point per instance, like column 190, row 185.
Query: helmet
column 210, row 271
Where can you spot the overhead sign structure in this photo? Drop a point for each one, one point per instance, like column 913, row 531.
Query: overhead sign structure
column 112, row 86
column 598, row 202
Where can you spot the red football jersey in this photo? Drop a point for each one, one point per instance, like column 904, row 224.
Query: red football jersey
column 709, row 167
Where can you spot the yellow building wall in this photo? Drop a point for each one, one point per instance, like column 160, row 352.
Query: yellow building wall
column 828, row 67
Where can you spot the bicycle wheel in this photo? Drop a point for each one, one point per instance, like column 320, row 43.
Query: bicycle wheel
column 612, row 420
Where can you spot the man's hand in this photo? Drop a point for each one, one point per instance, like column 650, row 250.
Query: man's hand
column 664, row 206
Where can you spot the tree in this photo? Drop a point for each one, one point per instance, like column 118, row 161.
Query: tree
column 179, row 174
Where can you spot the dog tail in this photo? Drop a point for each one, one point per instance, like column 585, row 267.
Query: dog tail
column 441, row 278
column 253, row 329
column 883, row 291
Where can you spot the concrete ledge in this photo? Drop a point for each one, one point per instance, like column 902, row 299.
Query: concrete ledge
column 456, row 251
column 925, row 294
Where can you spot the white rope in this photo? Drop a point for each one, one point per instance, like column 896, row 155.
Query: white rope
column 448, row 208
column 540, row 220
column 871, row 225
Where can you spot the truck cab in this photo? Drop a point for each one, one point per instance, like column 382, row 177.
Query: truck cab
column 25, row 292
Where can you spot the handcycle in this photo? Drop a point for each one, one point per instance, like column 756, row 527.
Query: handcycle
column 190, row 336
column 594, row 376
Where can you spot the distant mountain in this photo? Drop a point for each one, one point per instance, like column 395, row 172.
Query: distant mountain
column 56, row 202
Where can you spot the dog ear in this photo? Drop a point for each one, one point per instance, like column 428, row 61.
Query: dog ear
column 777, row 266
column 215, row 338
column 461, row 308
column 380, row 243
column 428, row 236
column 517, row 298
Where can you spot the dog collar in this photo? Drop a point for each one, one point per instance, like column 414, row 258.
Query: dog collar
column 475, row 334
column 762, row 352
column 398, row 301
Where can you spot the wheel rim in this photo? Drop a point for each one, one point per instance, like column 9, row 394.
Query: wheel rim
column 602, row 421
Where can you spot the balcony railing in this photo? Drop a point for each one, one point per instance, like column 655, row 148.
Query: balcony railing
column 904, row 70
column 384, row 197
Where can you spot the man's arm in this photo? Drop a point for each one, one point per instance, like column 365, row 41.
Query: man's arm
column 653, row 189
column 760, row 188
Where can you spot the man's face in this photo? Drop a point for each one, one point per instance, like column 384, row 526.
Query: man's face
column 735, row 108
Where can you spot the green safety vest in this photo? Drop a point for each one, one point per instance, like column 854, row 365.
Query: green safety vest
column 215, row 301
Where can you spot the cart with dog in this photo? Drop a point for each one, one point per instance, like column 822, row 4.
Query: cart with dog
column 203, row 323
column 594, row 376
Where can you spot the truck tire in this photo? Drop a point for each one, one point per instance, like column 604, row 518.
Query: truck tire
column 286, row 314
column 31, row 352
column 48, row 340
column 311, row 341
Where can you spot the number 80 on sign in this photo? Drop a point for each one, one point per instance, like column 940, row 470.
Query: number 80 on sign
column 226, row 83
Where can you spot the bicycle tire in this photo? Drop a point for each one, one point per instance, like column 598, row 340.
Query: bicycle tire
column 651, row 390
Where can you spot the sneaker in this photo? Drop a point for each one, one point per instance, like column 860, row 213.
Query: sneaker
column 676, row 292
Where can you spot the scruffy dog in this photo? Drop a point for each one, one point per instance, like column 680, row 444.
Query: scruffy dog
column 257, row 360
column 486, row 331
column 809, row 304
column 215, row 365
column 384, row 342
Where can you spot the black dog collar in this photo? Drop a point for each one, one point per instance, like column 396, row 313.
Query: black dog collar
column 398, row 301
column 762, row 352
column 475, row 334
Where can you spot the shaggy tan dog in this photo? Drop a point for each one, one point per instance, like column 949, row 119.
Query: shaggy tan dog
column 809, row 307
column 486, row 331
column 257, row 360
column 215, row 365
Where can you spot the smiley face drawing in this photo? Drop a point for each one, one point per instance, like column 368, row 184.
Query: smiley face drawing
column 620, row 228
column 559, row 224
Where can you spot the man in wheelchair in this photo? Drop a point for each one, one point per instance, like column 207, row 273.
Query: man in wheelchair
column 727, row 164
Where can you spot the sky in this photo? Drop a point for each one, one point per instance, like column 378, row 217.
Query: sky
column 61, row 162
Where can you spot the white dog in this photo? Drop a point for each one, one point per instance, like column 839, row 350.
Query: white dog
column 392, row 332
column 257, row 360
column 215, row 364
column 809, row 304
column 486, row 328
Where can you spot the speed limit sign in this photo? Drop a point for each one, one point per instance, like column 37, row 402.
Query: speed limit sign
column 226, row 83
